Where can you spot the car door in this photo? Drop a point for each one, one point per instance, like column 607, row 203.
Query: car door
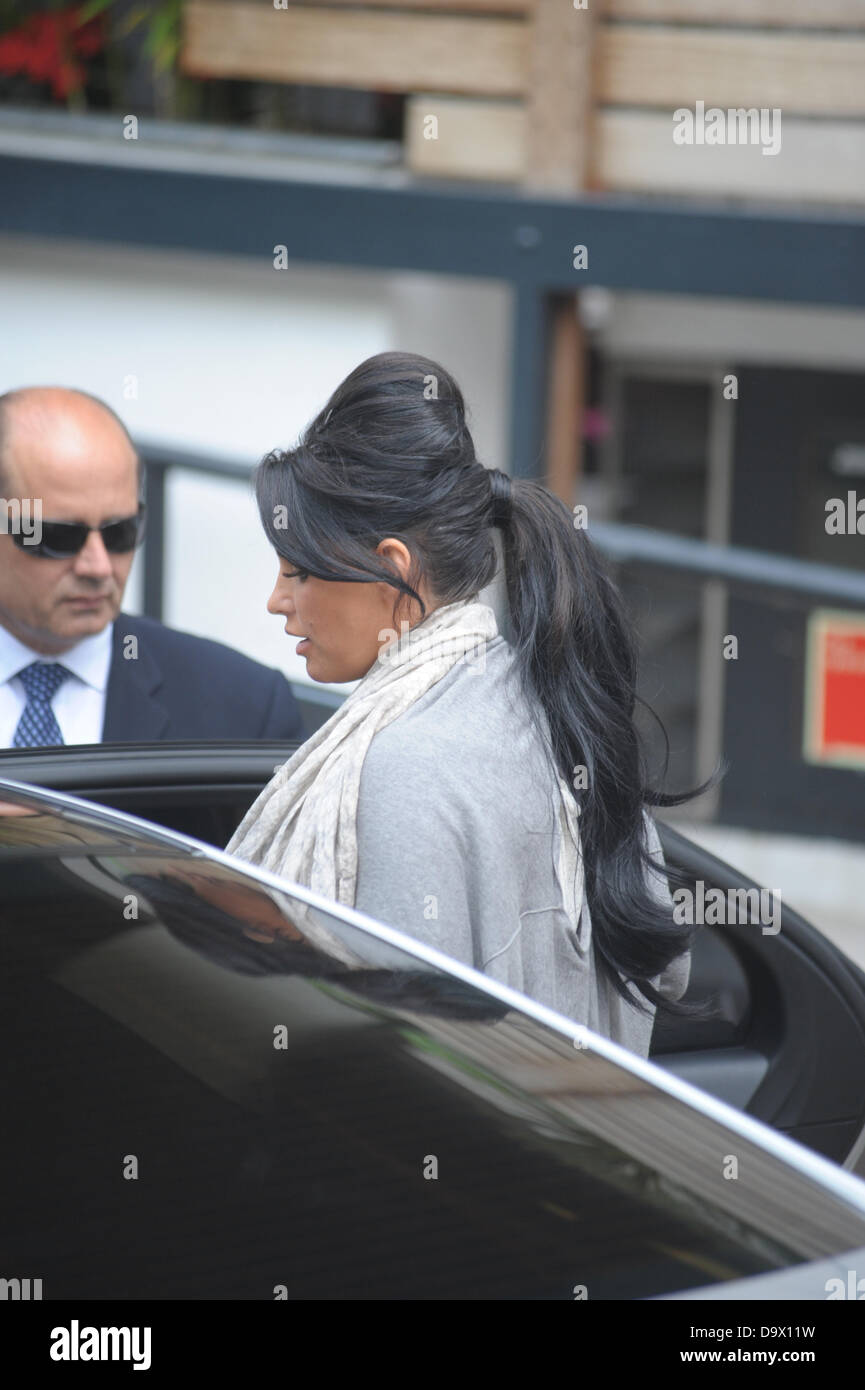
column 787, row 1039
column 225, row 1089
column 787, row 1042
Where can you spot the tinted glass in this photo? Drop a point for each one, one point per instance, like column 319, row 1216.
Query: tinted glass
column 218, row 1093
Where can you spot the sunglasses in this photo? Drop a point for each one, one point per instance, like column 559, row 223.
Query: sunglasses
column 60, row 539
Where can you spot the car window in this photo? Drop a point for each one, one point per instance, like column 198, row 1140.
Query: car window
column 220, row 1091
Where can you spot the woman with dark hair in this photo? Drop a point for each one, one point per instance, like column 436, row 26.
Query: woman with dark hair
column 488, row 797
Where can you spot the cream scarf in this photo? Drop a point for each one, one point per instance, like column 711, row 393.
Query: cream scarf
column 303, row 826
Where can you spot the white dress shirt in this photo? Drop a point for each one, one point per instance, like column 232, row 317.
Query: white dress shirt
column 78, row 705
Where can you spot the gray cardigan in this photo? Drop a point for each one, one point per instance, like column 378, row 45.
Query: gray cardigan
column 458, row 836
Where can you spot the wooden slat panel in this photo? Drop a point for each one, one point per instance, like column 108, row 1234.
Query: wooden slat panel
column 474, row 139
column 818, row 160
column 805, row 73
column 823, row 160
column 560, row 97
column 811, row 14
column 370, row 49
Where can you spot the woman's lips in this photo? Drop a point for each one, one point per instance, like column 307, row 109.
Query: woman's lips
column 301, row 646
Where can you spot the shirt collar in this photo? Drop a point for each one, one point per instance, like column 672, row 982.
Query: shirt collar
column 89, row 659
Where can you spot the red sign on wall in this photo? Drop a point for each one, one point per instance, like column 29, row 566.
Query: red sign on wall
column 835, row 689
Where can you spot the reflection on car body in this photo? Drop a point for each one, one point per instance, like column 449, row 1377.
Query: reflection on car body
column 320, row 1107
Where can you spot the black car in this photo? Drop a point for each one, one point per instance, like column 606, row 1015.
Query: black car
column 225, row 1087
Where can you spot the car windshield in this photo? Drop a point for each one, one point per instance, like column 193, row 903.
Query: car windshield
column 221, row 1088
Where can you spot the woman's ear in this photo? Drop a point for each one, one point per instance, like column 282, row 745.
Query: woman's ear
column 397, row 554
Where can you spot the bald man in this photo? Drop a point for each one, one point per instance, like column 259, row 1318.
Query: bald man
column 73, row 667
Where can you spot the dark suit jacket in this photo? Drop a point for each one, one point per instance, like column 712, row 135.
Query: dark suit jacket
column 179, row 687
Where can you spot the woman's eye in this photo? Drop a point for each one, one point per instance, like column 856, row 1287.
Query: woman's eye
column 295, row 574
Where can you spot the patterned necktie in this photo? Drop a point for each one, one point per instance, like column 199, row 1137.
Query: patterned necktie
column 37, row 727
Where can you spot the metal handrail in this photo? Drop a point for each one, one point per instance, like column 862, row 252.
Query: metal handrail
column 734, row 564
column 166, row 456
column 737, row 566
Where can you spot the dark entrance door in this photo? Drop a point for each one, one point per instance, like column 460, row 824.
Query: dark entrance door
column 800, row 441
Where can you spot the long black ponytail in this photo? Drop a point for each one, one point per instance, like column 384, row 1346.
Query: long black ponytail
column 391, row 454
column 576, row 651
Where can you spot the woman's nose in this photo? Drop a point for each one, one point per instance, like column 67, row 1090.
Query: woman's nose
column 277, row 601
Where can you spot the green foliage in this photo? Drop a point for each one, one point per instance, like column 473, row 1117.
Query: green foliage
column 162, row 44
column 91, row 8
